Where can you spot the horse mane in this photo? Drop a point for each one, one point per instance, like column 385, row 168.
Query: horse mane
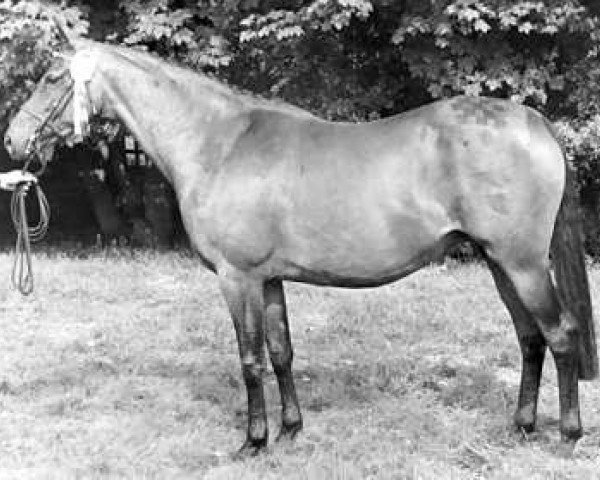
column 152, row 63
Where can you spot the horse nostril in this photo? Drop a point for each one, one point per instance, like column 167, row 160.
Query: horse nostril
column 7, row 144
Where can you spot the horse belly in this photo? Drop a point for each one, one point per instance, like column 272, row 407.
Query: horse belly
column 360, row 218
column 361, row 252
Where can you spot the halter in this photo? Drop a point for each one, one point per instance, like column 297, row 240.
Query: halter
column 32, row 148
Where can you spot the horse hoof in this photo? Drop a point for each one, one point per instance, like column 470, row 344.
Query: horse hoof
column 524, row 421
column 289, row 432
column 570, row 436
column 525, row 428
column 250, row 448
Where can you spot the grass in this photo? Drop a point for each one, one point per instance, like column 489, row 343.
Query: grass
column 126, row 367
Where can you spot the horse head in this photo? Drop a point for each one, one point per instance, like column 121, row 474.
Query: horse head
column 59, row 108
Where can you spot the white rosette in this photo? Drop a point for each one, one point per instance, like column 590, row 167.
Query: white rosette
column 82, row 69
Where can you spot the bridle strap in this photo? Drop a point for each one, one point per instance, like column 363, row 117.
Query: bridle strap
column 46, row 122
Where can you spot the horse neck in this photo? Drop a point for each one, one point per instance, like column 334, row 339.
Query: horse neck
column 172, row 113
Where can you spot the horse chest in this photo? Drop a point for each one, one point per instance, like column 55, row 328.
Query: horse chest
column 228, row 230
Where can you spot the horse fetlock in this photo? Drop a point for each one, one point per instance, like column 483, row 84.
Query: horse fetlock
column 251, row 448
column 525, row 417
column 257, row 428
column 570, row 432
column 290, row 415
column 289, row 430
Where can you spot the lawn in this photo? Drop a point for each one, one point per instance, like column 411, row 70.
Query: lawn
column 125, row 366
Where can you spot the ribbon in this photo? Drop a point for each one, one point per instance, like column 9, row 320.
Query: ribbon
column 82, row 69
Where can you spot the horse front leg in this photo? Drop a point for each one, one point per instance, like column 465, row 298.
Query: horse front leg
column 281, row 353
column 244, row 297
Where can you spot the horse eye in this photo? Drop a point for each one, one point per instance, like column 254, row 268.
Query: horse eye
column 53, row 77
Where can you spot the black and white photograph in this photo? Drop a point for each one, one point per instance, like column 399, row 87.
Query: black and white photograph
column 299, row 239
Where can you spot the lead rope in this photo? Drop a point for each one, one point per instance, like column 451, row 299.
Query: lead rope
column 22, row 272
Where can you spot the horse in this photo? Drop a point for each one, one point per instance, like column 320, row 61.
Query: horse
column 271, row 193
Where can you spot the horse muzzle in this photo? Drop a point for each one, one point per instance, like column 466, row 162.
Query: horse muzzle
column 16, row 149
column 24, row 149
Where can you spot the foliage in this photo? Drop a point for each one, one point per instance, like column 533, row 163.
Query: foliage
column 322, row 15
column 332, row 57
column 524, row 50
column 348, row 58
column 359, row 59
column 332, row 73
column 510, row 48
column 194, row 33
column 581, row 140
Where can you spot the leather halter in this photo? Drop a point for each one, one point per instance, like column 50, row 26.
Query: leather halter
column 33, row 146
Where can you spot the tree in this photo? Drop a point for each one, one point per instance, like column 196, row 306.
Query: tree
column 525, row 50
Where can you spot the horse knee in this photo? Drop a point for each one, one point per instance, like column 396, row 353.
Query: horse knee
column 570, row 427
column 252, row 371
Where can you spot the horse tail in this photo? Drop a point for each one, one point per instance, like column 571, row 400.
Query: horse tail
column 571, row 275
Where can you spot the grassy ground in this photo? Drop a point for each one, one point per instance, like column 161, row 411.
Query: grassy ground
column 126, row 367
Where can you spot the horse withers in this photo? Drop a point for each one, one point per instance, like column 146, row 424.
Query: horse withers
column 269, row 193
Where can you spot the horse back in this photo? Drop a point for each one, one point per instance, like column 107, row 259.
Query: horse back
column 308, row 195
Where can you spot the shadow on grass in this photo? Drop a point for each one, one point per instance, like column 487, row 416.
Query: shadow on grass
column 324, row 390
column 440, row 384
column 461, row 387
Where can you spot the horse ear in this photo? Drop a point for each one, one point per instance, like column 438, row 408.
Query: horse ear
column 64, row 33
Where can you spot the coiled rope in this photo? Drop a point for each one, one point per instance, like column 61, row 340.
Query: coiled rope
column 22, row 272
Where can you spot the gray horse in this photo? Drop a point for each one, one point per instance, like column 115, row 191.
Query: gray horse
column 269, row 192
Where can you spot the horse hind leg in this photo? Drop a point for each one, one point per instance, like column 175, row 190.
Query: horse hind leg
column 535, row 298
column 533, row 349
